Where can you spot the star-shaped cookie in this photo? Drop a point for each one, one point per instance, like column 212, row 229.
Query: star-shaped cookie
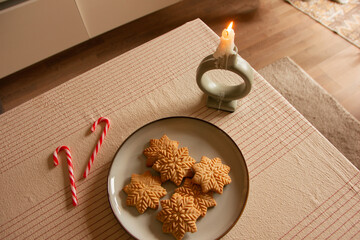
column 201, row 200
column 174, row 164
column 178, row 215
column 144, row 191
column 157, row 145
column 211, row 174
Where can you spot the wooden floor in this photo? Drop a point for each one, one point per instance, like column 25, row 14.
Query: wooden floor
column 266, row 30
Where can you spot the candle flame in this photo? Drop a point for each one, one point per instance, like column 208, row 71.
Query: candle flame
column 230, row 26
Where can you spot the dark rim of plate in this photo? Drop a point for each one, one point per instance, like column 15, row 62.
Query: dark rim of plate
column 196, row 119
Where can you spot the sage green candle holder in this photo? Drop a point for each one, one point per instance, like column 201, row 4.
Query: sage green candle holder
column 221, row 96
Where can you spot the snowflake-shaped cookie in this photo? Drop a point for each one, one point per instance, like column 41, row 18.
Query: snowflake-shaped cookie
column 144, row 191
column 211, row 174
column 174, row 164
column 178, row 215
column 157, row 145
column 201, row 200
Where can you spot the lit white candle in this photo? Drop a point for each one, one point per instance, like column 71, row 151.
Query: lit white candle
column 226, row 46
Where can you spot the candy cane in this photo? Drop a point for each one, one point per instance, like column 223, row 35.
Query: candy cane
column 91, row 161
column 71, row 171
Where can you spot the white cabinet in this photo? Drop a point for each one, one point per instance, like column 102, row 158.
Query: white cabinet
column 36, row 29
column 100, row 16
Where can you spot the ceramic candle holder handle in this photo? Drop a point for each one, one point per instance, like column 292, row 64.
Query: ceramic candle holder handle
column 222, row 96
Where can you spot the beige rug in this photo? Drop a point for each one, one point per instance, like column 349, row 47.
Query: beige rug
column 318, row 107
column 344, row 19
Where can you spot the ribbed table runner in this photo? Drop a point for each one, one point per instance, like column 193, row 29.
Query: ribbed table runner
column 300, row 185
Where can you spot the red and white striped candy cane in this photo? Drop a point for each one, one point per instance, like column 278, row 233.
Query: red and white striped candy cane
column 107, row 126
column 71, row 170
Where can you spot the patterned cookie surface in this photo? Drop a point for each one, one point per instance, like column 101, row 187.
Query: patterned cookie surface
column 211, row 174
column 144, row 191
column 201, row 200
column 157, row 145
column 174, row 164
column 178, row 215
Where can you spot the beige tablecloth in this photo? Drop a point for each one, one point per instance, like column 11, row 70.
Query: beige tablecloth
column 300, row 185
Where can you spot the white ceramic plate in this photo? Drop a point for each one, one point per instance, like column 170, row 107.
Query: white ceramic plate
column 201, row 138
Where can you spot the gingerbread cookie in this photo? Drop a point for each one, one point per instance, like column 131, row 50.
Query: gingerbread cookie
column 144, row 191
column 201, row 200
column 178, row 215
column 157, row 145
column 211, row 174
column 174, row 164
